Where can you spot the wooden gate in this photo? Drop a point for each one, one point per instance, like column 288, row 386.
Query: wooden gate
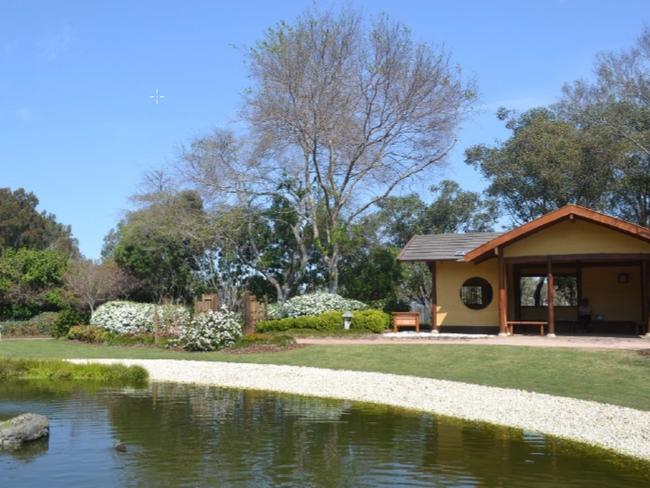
column 207, row 301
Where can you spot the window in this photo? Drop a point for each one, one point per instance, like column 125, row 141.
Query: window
column 533, row 291
column 476, row 293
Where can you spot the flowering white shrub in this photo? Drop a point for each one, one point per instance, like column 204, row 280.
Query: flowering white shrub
column 122, row 317
column 274, row 311
column 210, row 331
column 316, row 304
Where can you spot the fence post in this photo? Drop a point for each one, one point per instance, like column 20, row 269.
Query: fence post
column 254, row 312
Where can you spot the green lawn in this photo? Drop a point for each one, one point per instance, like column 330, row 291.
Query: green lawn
column 618, row 377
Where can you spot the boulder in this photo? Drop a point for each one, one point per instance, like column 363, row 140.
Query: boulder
column 23, row 428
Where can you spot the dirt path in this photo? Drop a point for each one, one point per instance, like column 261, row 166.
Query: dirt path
column 580, row 342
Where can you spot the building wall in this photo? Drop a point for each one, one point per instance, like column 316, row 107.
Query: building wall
column 451, row 311
column 577, row 237
column 615, row 301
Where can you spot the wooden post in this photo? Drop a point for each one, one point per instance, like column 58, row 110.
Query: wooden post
column 550, row 297
column 503, row 294
column 575, row 327
column 435, row 327
column 645, row 297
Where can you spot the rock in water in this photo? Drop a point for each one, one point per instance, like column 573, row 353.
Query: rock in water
column 23, row 428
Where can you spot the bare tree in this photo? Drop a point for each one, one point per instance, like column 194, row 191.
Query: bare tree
column 93, row 283
column 340, row 115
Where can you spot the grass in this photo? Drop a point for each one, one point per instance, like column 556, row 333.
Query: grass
column 617, row 377
column 58, row 370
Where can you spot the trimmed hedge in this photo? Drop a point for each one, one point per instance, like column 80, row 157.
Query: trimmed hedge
column 371, row 320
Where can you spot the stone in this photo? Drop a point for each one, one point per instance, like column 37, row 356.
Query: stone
column 23, row 428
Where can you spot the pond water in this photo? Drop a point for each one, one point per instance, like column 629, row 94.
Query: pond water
column 179, row 435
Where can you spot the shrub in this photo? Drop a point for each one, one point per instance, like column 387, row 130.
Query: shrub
column 315, row 304
column 122, row 317
column 39, row 325
column 45, row 322
column 370, row 320
column 66, row 319
column 88, row 333
column 210, row 331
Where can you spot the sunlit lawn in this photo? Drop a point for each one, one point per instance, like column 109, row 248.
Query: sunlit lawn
column 619, row 377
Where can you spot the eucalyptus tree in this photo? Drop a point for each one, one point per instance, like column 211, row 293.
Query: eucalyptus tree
column 341, row 113
column 546, row 163
column 616, row 104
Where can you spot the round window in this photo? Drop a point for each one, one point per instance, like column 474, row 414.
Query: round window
column 476, row 293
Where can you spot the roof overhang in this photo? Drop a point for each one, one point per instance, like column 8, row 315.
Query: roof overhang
column 568, row 212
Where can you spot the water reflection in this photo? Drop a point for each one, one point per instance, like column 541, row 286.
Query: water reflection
column 180, row 435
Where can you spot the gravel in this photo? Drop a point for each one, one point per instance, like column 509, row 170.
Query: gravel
column 621, row 429
column 434, row 336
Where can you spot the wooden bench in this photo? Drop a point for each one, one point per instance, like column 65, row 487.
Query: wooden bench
column 510, row 325
column 406, row 319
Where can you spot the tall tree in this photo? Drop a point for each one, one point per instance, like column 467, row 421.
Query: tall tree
column 162, row 244
column 616, row 104
column 22, row 225
column 371, row 271
column 451, row 210
column 341, row 114
column 546, row 163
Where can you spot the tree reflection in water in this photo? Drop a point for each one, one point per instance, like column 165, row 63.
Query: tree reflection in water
column 181, row 435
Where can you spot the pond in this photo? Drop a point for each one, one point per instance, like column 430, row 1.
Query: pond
column 179, row 435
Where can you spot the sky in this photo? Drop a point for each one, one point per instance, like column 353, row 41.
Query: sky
column 78, row 126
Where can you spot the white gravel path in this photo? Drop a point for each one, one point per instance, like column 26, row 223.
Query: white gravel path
column 618, row 428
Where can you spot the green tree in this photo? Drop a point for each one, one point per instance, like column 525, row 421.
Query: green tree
column 546, row 163
column 162, row 245
column 370, row 271
column 22, row 225
column 616, row 105
column 30, row 282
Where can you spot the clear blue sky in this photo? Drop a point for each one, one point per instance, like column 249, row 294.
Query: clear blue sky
column 77, row 126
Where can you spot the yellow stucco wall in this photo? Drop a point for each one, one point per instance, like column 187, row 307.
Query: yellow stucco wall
column 451, row 310
column 616, row 301
column 577, row 237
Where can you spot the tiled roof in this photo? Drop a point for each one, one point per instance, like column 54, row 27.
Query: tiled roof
column 443, row 247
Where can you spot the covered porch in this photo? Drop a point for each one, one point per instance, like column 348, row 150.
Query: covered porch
column 544, row 294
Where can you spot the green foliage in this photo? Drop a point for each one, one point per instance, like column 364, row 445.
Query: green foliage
column 371, row 320
column 66, row 319
column 162, row 254
column 395, row 305
column 370, row 272
column 39, row 325
column 55, row 370
column 93, row 334
column 88, row 333
column 22, row 226
column 451, row 210
column 375, row 321
column 546, row 163
column 30, row 282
